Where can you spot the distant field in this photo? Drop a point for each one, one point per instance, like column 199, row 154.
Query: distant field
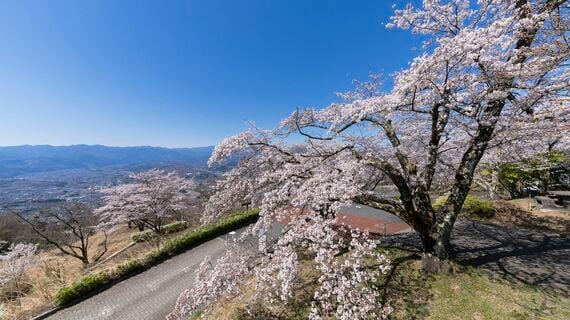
column 33, row 177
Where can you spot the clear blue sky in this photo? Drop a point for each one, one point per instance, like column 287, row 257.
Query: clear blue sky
column 181, row 73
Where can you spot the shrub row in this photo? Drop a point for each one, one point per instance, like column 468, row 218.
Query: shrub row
column 148, row 235
column 97, row 281
column 473, row 206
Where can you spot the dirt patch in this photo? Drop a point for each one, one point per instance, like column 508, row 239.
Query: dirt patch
column 514, row 214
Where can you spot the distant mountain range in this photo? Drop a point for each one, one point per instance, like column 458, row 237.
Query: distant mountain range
column 26, row 159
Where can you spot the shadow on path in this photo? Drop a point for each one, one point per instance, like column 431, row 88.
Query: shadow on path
column 522, row 255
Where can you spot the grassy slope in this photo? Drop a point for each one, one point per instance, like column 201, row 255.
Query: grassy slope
column 466, row 293
column 472, row 295
column 53, row 270
column 95, row 281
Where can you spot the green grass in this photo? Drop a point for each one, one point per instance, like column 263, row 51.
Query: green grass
column 473, row 295
column 98, row 280
column 129, row 267
column 473, row 206
column 466, row 293
column 188, row 240
column 83, row 287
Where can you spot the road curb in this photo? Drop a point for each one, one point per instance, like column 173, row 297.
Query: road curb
column 47, row 313
column 132, row 274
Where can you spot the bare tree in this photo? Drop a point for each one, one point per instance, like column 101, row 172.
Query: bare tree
column 69, row 228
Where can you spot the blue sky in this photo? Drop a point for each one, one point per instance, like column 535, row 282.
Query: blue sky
column 181, row 73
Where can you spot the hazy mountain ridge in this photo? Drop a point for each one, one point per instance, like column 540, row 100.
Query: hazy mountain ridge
column 26, row 159
column 32, row 177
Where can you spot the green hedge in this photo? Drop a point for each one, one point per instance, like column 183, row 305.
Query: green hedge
column 97, row 281
column 85, row 285
column 473, row 206
column 148, row 235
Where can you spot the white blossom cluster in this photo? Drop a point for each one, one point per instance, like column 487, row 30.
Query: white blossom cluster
column 348, row 268
column 213, row 281
column 492, row 80
column 151, row 198
column 347, row 282
column 15, row 261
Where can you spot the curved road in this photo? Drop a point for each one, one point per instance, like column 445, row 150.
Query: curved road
column 150, row 295
column 528, row 256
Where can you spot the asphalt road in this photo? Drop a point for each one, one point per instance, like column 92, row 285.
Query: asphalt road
column 533, row 257
column 150, row 295
column 529, row 256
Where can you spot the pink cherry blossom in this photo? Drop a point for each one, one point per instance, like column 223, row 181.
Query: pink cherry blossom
column 492, row 80
column 153, row 197
column 15, row 262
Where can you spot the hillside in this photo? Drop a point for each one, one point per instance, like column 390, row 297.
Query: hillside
column 32, row 177
column 21, row 160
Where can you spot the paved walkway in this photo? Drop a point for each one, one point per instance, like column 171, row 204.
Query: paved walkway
column 150, row 295
column 521, row 255
column 533, row 257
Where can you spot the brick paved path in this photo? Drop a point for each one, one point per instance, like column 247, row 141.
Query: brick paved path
column 365, row 218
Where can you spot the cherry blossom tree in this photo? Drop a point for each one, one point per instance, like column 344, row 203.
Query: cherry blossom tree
column 346, row 287
column 150, row 200
column 14, row 263
column 213, row 281
column 492, row 79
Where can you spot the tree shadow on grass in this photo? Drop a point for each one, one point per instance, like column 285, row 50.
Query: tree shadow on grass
column 404, row 288
column 533, row 257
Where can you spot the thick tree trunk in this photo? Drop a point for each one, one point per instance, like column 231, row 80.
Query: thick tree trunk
column 436, row 252
column 85, row 263
column 437, row 244
column 442, row 248
column 428, row 242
